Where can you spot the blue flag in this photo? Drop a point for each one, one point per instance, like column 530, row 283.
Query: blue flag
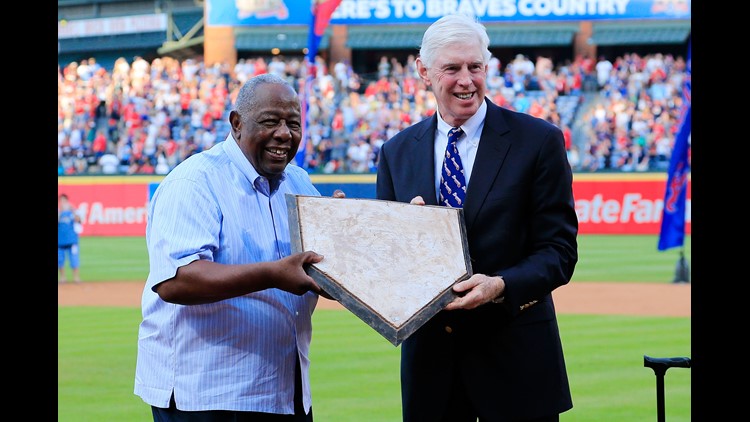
column 672, row 232
column 320, row 15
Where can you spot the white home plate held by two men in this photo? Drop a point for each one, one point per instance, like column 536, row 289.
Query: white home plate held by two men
column 390, row 263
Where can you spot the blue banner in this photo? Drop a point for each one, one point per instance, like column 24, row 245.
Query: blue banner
column 672, row 232
column 375, row 12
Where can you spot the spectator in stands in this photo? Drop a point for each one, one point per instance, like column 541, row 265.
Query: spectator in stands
column 69, row 226
column 384, row 67
column 603, row 70
column 227, row 306
column 277, row 66
column 494, row 352
column 358, row 155
column 522, row 71
column 109, row 163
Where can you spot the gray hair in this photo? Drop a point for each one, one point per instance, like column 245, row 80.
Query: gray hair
column 450, row 29
column 246, row 98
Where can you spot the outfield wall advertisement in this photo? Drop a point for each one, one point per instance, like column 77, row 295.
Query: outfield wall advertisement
column 605, row 203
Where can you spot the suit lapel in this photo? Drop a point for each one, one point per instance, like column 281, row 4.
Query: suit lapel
column 493, row 147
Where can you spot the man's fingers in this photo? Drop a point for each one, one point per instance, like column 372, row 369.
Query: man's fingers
column 417, row 200
column 460, row 287
column 467, row 284
column 308, row 257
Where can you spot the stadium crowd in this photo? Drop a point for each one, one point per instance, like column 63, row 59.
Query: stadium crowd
column 143, row 117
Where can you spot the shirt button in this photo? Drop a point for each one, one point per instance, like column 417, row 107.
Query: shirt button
column 448, row 329
column 296, row 313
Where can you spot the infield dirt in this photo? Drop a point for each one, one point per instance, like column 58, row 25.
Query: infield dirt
column 645, row 299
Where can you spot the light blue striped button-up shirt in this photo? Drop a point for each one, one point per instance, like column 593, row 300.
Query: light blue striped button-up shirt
column 239, row 353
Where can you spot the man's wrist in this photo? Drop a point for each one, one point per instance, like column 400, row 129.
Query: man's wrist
column 501, row 297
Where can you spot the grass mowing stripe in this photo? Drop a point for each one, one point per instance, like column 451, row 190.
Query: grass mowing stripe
column 96, row 365
column 634, row 258
column 602, row 258
column 604, row 356
column 354, row 370
column 114, row 258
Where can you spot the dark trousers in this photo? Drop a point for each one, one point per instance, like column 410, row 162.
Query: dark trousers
column 460, row 409
column 172, row 414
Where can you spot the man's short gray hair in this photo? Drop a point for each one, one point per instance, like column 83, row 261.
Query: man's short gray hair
column 246, row 98
column 451, row 29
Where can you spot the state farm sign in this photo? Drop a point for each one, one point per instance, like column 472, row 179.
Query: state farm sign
column 617, row 206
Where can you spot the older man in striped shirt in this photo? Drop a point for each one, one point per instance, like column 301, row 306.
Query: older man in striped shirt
column 227, row 307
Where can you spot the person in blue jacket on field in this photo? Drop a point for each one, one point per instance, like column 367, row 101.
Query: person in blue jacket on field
column 68, row 228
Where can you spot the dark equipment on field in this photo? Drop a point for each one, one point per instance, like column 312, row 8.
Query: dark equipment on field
column 660, row 366
column 682, row 270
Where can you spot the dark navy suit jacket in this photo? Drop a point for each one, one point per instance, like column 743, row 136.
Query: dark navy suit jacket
column 521, row 223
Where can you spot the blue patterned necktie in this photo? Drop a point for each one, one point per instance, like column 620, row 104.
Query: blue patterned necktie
column 452, row 181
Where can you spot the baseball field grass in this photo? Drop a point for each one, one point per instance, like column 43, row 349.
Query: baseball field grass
column 354, row 371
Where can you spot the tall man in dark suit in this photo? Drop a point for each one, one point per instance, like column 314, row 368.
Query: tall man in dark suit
column 493, row 354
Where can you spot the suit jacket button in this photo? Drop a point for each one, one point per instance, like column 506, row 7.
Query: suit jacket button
column 448, row 329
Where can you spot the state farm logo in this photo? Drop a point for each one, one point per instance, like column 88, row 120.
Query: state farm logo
column 632, row 208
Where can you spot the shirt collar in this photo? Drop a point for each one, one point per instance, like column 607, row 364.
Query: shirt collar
column 470, row 127
column 259, row 183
